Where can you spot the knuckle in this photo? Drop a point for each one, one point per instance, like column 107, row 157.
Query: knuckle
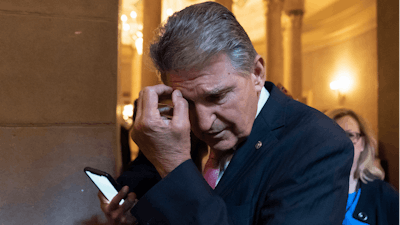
column 182, row 124
column 144, row 126
column 123, row 219
column 148, row 90
column 138, row 126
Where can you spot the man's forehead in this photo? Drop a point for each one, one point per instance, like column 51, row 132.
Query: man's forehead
column 215, row 65
column 183, row 75
column 189, row 80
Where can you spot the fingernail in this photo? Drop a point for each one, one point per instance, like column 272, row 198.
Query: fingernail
column 179, row 93
column 126, row 189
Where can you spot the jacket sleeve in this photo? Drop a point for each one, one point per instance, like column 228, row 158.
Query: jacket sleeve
column 164, row 203
column 140, row 176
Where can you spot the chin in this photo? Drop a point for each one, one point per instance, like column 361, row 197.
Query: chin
column 223, row 145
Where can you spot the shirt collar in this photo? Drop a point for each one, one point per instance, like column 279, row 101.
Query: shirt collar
column 264, row 95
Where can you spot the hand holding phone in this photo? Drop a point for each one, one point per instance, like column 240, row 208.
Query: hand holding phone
column 104, row 182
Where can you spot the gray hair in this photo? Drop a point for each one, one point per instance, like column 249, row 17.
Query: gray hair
column 366, row 169
column 194, row 35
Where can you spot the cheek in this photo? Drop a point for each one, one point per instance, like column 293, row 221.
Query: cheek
column 241, row 121
column 193, row 121
column 358, row 148
column 240, row 114
column 248, row 115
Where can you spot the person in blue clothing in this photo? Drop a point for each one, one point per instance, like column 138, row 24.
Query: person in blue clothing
column 273, row 160
column 370, row 199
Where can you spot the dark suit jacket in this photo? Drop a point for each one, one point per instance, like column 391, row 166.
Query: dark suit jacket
column 299, row 175
column 378, row 204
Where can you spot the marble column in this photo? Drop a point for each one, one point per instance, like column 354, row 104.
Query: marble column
column 226, row 3
column 292, row 45
column 151, row 21
column 274, row 56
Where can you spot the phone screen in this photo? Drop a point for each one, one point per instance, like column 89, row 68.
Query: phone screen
column 104, row 185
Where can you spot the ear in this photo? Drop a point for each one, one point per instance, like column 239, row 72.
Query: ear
column 258, row 74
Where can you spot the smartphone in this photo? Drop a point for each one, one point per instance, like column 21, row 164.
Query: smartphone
column 104, row 182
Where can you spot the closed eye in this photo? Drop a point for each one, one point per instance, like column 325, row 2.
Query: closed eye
column 216, row 98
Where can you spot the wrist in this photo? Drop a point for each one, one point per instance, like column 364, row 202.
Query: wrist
column 166, row 166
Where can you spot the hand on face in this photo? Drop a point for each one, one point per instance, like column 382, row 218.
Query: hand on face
column 115, row 213
column 164, row 142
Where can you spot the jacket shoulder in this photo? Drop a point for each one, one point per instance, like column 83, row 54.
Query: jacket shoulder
column 381, row 188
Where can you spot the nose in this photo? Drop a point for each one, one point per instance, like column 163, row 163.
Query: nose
column 204, row 117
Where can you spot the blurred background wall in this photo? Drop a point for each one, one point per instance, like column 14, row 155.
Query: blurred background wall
column 347, row 49
column 58, row 98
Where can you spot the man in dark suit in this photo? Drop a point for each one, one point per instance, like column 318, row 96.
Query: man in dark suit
column 273, row 160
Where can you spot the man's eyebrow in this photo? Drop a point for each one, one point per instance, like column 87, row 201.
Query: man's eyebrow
column 214, row 92
column 220, row 90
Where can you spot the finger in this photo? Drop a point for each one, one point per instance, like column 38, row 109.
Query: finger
column 132, row 196
column 102, row 198
column 123, row 211
column 130, row 201
column 103, row 202
column 114, row 204
column 127, row 217
column 181, row 109
column 151, row 96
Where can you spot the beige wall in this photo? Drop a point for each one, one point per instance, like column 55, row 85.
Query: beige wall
column 356, row 56
column 58, row 88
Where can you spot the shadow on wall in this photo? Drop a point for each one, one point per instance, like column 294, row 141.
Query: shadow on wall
column 390, row 164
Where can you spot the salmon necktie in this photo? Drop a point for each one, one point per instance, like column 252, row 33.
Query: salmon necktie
column 211, row 170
